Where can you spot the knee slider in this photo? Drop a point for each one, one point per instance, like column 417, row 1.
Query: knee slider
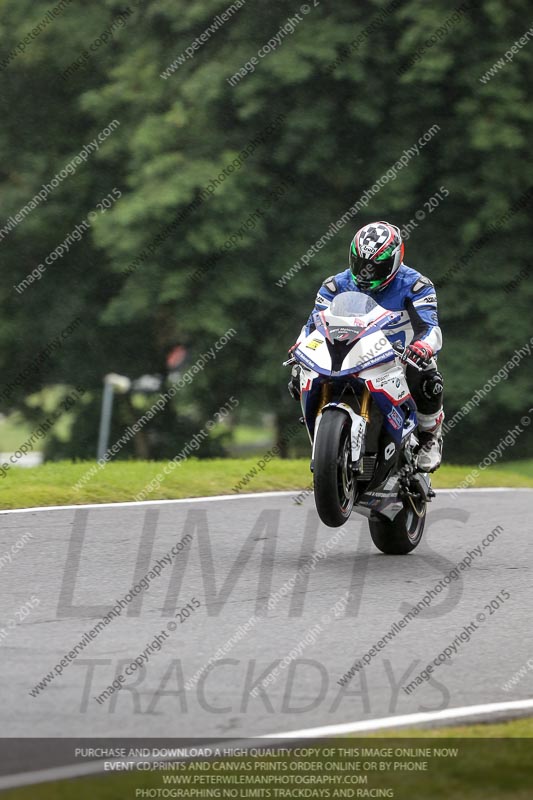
column 432, row 385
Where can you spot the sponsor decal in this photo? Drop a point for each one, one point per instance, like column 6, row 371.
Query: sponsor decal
column 306, row 360
column 376, row 360
column 429, row 300
column 313, row 344
column 390, row 450
column 395, row 419
column 339, row 329
column 347, row 335
column 357, row 438
column 384, row 380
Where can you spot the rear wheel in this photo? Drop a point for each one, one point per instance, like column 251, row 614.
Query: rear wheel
column 402, row 534
column 334, row 480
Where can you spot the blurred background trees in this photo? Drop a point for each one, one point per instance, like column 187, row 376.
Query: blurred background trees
column 347, row 114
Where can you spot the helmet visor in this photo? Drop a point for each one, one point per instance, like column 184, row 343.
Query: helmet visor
column 370, row 275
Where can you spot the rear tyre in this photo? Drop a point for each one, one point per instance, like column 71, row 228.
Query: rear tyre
column 399, row 536
column 334, row 480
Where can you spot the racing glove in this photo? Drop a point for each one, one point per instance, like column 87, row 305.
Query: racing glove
column 419, row 352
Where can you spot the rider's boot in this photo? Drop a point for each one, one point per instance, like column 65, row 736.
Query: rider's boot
column 430, row 441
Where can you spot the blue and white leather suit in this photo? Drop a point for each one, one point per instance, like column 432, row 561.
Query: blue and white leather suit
column 414, row 297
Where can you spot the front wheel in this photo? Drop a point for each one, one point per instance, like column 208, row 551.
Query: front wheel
column 402, row 534
column 334, row 480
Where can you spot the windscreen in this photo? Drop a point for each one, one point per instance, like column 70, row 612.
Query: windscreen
column 349, row 304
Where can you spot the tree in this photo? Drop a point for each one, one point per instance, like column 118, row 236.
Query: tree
column 227, row 183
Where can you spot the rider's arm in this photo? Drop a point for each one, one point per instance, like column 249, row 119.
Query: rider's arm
column 421, row 305
column 325, row 295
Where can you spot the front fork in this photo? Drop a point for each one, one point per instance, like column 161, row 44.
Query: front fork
column 366, row 402
column 325, row 398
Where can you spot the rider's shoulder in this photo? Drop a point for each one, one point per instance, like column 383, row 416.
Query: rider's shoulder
column 413, row 281
column 337, row 283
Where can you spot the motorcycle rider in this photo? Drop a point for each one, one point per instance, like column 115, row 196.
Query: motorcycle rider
column 377, row 269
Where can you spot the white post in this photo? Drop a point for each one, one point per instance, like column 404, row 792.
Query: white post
column 111, row 382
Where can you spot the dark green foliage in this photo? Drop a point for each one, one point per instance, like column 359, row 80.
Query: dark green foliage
column 346, row 113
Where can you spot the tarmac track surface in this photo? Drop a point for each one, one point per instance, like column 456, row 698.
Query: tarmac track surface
column 317, row 597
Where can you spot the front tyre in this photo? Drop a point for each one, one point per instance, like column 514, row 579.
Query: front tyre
column 402, row 534
column 334, row 480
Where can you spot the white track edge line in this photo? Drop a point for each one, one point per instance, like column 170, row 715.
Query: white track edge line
column 222, row 497
column 133, row 503
column 403, row 720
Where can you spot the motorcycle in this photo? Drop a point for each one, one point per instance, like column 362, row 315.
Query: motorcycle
column 361, row 421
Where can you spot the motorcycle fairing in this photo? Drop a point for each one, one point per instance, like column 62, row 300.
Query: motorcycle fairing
column 383, row 499
column 385, row 381
column 399, row 420
column 380, row 501
column 364, row 353
column 389, row 391
column 350, row 335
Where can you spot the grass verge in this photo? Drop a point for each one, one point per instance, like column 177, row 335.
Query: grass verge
column 54, row 483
